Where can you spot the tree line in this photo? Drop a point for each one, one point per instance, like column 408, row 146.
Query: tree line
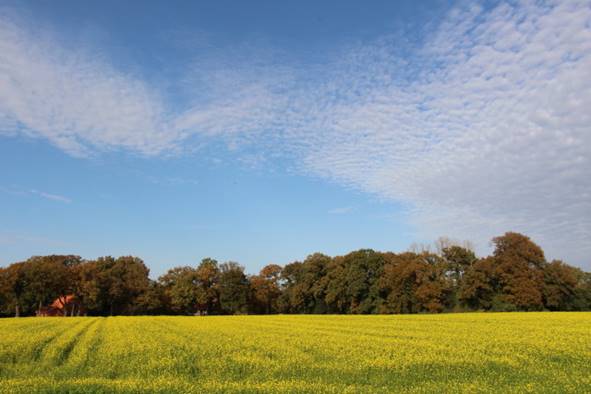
column 516, row 277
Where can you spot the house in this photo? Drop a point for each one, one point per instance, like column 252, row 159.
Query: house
column 63, row 306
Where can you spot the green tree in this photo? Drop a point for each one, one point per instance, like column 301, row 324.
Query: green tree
column 304, row 285
column 234, row 289
column 560, row 285
column 181, row 288
column 118, row 283
column 312, row 286
column 457, row 261
column 479, row 285
column 49, row 278
column 292, row 298
column 86, row 286
column 13, row 285
column 208, row 276
column 352, row 282
column 153, row 301
column 582, row 299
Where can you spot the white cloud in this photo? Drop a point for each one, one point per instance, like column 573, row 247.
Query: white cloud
column 484, row 128
column 75, row 100
column 80, row 103
column 494, row 134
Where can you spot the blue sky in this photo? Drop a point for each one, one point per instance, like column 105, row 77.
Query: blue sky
column 261, row 132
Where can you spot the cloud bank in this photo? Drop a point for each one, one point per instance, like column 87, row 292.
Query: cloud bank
column 493, row 132
column 480, row 126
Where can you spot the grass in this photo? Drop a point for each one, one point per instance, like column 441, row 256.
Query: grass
column 508, row 352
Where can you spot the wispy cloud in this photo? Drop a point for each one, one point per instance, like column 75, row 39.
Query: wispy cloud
column 49, row 196
column 483, row 127
column 33, row 192
column 340, row 211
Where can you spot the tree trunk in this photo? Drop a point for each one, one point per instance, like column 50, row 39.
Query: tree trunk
column 39, row 308
column 17, row 310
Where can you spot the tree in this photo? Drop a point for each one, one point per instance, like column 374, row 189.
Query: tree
column 515, row 277
column 152, row 301
column 518, row 247
column 435, row 291
column 49, row 278
column 457, row 261
column 479, row 285
column 117, row 283
column 13, row 286
column 86, row 286
column 208, row 274
column 312, row 287
column 181, row 288
column 304, row 285
column 520, row 271
column 582, row 298
column 413, row 283
column 4, row 297
column 265, row 288
column 560, row 285
column 352, row 282
column 233, row 288
column 292, row 298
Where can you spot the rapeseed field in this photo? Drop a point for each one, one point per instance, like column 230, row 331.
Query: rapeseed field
column 472, row 352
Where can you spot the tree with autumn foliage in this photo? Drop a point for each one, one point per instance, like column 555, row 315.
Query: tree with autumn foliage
column 560, row 286
column 414, row 282
column 520, row 271
column 516, row 276
column 266, row 289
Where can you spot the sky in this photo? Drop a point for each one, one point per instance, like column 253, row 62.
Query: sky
column 261, row 132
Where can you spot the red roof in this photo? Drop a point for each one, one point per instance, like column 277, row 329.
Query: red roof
column 60, row 302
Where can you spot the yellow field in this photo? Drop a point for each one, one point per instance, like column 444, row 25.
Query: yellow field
column 517, row 352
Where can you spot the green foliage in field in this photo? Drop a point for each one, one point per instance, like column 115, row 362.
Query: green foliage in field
column 514, row 352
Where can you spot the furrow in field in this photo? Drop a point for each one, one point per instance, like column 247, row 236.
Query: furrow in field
column 25, row 340
column 83, row 345
column 48, row 342
column 57, row 352
column 95, row 342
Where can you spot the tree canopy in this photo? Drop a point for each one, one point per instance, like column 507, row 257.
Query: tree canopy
column 516, row 276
